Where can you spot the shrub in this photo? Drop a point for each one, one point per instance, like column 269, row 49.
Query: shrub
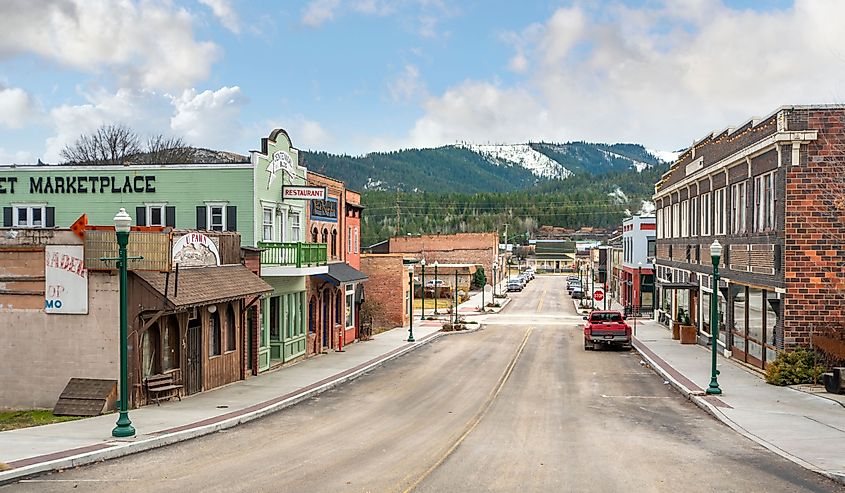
column 794, row 367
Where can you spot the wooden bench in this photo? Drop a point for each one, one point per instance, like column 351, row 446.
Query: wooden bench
column 161, row 384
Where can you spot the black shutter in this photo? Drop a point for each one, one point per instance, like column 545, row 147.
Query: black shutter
column 231, row 218
column 51, row 217
column 140, row 216
column 201, row 217
column 7, row 217
column 170, row 216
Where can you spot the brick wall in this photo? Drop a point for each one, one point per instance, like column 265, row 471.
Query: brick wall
column 461, row 248
column 386, row 289
column 814, row 258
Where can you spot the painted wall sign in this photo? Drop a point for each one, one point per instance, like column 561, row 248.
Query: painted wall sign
column 281, row 161
column 66, row 280
column 195, row 250
column 80, row 184
column 324, row 210
column 303, row 192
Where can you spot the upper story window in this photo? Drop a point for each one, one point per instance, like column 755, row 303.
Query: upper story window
column 685, row 218
column 217, row 216
column 719, row 211
column 660, row 223
column 705, row 214
column 267, row 224
column 295, row 227
column 739, row 204
column 693, row 217
column 651, row 248
column 28, row 216
column 356, row 242
column 676, row 220
column 349, row 239
column 764, row 202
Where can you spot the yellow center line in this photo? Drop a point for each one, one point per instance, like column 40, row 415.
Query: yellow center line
column 540, row 304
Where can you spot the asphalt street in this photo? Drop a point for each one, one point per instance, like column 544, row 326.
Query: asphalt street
column 517, row 406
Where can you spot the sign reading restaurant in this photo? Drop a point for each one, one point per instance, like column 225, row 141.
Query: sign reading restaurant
column 303, row 192
column 80, row 184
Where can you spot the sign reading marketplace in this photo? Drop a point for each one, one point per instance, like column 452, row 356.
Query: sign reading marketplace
column 81, row 184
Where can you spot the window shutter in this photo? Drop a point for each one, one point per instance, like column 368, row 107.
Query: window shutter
column 141, row 216
column 170, row 216
column 50, row 220
column 201, row 217
column 231, row 218
column 7, row 217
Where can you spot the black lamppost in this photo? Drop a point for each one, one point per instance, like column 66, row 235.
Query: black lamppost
column 495, row 282
column 436, row 288
column 715, row 253
column 640, row 285
column 592, row 289
column 122, row 225
column 422, row 263
column 411, row 304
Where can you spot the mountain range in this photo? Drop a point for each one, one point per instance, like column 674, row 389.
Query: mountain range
column 472, row 168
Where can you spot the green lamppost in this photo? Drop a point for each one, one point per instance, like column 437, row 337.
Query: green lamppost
column 592, row 288
column 715, row 254
column 422, row 263
column 436, row 288
column 411, row 304
column 122, row 225
column 495, row 282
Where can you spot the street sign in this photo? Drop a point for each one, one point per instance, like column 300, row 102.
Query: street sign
column 598, row 295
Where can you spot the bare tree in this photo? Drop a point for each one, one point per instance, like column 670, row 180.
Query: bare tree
column 163, row 149
column 109, row 144
column 119, row 144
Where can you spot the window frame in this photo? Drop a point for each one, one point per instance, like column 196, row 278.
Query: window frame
column 30, row 208
column 720, row 220
column 705, row 214
column 215, row 334
column 349, row 313
column 295, row 226
column 209, row 207
column 271, row 224
column 161, row 207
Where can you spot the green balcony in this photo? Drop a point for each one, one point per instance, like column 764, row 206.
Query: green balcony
column 293, row 254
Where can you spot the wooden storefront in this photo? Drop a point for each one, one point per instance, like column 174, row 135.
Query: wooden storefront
column 192, row 328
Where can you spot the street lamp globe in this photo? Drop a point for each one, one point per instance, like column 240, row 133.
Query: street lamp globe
column 122, row 221
column 422, row 262
column 716, row 249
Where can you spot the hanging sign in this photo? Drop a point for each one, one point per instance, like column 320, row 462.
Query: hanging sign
column 195, row 250
column 303, row 192
column 66, row 280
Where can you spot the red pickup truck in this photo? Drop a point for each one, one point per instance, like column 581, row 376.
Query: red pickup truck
column 606, row 327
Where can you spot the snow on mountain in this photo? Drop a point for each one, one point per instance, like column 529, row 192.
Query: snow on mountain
column 668, row 156
column 520, row 155
column 619, row 196
column 638, row 165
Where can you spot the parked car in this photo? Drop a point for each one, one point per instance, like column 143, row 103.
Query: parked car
column 519, row 280
column 606, row 327
column 439, row 283
column 577, row 293
column 514, row 286
column 573, row 286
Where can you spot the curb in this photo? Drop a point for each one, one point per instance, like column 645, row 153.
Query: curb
column 113, row 449
column 712, row 410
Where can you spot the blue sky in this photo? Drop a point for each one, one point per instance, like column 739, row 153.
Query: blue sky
column 353, row 76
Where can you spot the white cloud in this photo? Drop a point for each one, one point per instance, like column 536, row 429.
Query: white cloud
column 148, row 44
column 224, row 11
column 304, row 133
column 19, row 157
column 407, row 86
column 209, row 118
column 16, row 107
column 318, row 12
column 664, row 75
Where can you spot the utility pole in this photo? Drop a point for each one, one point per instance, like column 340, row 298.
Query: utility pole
column 398, row 219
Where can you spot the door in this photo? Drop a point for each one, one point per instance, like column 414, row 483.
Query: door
column 325, row 323
column 251, row 324
column 193, row 374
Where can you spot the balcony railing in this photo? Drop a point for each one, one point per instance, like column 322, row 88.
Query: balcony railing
column 293, row 254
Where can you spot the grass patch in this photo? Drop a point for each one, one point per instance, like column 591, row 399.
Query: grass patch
column 12, row 420
column 442, row 304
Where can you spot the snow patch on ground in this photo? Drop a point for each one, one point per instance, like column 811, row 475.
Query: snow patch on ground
column 520, row 155
column 618, row 195
column 668, row 156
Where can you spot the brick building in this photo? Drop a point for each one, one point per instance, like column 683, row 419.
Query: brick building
column 334, row 297
column 637, row 269
column 771, row 192
column 388, row 292
column 460, row 248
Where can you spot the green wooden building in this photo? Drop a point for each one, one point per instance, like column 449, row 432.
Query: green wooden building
column 244, row 197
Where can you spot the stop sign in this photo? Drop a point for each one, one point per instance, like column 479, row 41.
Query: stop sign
column 598, row 295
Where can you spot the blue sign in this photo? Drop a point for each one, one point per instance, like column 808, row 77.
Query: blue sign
column 324, row 210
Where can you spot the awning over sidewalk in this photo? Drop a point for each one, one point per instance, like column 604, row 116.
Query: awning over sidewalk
column 342, row 273
column 678, row 285
column 205, row 285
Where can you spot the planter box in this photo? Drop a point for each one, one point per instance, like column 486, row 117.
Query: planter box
column 689, row 334
column 676, row 330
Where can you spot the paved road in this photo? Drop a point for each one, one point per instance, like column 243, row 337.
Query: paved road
column 518, row 406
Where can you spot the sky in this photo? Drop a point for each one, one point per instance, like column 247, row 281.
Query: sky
column 356, row 76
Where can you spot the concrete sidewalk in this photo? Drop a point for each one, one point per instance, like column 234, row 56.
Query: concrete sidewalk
column 38, row 449
column 804, row 428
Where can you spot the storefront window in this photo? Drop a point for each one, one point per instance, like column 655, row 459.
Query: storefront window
column 705, row 312
column 755, row 322
column 275, row 334
column 739, row 313
column 230, row 328
column 170, row 344
column 150, row 346
column 350, row 300
column 215, row 334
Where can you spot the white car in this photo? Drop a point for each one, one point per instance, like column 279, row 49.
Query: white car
column 438, row 283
